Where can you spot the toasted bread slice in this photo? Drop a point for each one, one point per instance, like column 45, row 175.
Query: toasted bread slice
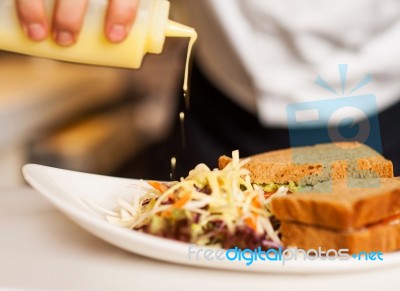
column 344, row 206
column 384, row 237
column 314, row 164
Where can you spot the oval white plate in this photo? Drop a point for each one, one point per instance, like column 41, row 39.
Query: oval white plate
column 68, row 190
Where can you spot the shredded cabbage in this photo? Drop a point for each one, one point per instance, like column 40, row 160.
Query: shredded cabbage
column 209, row 204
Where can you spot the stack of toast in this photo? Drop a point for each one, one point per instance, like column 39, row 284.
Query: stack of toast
column 347, row 196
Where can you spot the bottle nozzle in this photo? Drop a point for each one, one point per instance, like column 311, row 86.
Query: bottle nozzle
column 175, row 29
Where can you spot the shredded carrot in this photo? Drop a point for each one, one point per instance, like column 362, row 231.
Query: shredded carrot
column 268, row 194
column 182, row 201
column 251, row 223
column 256, row 203
column 177, row 205
column 158, row 186
column 166, row 213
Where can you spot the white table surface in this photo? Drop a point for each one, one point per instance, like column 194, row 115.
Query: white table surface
column 41, row 249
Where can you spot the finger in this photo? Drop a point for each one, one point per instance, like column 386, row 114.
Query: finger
column 67, row 20
column 119, row 19
column 32, row 16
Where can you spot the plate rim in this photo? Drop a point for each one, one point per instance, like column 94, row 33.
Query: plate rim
column 176, row 247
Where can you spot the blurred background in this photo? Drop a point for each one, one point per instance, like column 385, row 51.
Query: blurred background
column 86, row 118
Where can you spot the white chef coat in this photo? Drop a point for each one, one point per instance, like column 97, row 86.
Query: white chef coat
column 266, row 54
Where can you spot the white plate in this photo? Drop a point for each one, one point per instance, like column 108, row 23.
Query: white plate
column 67, row 191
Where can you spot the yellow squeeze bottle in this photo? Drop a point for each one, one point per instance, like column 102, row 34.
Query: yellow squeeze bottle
column 147, row 35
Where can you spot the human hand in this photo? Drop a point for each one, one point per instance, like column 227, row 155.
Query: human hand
column 68, row 18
